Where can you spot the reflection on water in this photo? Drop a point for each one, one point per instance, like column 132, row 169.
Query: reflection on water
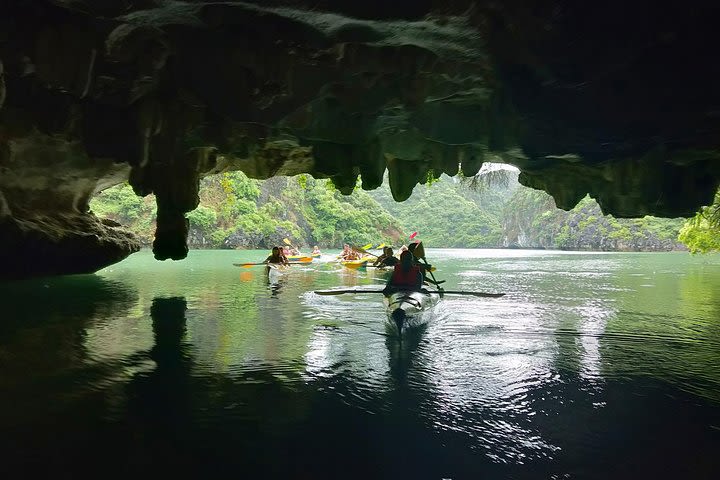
column 159, row 399
column 402, row 353
column 592, row 366
column 46, row 329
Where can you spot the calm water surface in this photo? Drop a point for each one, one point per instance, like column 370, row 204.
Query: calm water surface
column 592, row 366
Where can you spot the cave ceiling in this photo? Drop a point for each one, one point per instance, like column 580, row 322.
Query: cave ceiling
column 618, row 100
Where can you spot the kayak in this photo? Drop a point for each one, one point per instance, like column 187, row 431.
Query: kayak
column 355, row 264
column 275, row 271
column 409, row 309
column 299, row 258
column 316, row 255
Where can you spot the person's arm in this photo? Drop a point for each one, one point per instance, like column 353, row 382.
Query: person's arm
column 389, row 287
column 418, row 280
column 267, row 260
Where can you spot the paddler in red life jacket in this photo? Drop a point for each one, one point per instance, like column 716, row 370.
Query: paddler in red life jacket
column 424, row 267
column 406, row 275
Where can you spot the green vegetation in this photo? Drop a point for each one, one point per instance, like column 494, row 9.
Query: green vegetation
column 238, row 212
column 701, row 233
column 449, row 214
column 121, row 204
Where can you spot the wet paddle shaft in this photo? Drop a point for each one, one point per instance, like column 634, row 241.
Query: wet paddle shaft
column 420, row 253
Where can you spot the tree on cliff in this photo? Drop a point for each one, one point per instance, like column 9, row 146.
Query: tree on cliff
column 701, row 233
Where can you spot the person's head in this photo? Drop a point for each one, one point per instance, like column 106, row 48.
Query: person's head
column 275, row 250
column 388, row 251
column 406, row 260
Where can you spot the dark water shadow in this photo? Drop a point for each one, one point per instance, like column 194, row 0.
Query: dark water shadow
column 75, row 299
column 401, row 351
column 45, row 322
column 49, row 384
column 159, row 408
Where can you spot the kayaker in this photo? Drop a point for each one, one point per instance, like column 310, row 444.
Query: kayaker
column 316, row 250
column 406, row 275
column 276, row 257
column 348, row 253
column 387, row 259
column 424, row 267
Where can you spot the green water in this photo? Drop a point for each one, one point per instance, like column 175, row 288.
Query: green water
column 591, row 366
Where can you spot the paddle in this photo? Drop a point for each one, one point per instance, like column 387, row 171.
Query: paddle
column 300, row 261
column 443, row 292
column 419, row 252
column 475, row 294
column 363, row 250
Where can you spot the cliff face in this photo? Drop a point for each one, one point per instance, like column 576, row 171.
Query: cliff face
column 530, row 220
column 615, row 100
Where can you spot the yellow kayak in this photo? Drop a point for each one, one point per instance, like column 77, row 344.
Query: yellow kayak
column 362, row 263
column 299, row 258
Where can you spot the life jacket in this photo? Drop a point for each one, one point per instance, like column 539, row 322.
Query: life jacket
column 278, row 259
column 402, row 279
column 389, row 261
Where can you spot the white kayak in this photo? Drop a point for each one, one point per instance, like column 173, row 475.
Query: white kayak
column 409, row 309
column 275, row 271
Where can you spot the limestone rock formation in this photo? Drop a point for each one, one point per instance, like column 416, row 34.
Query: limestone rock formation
column 615, row 99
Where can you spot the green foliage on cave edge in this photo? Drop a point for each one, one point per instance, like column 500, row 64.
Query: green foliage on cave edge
column 701, row 233
column 238, row 212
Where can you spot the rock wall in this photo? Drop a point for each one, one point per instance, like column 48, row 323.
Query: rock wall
column 614, row 99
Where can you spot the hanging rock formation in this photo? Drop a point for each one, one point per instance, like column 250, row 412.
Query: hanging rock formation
column 615, row 99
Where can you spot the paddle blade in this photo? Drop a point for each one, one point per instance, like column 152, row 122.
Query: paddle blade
column 287, row 241
column 413, row 235
column 365, row 247
column 382, row 245
column 419, row 251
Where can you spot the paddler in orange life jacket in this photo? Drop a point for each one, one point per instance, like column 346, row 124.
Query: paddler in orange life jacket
column 276, row 257
column 406, row 275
